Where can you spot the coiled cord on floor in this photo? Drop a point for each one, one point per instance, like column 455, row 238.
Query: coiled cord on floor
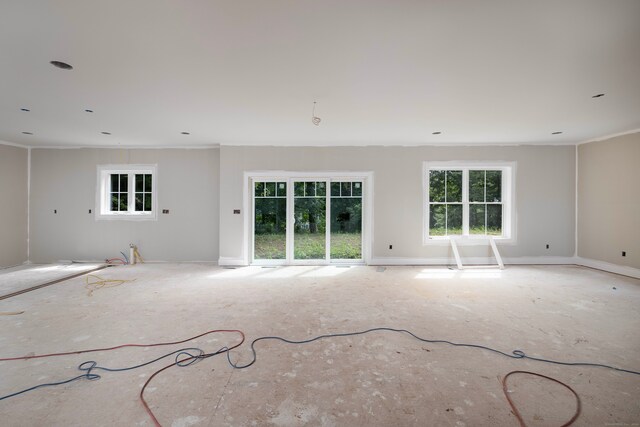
column 95, row 282
column 89, row 366
column 517, row 413
column 187, row 356
column 183, row 362
column 93, row 350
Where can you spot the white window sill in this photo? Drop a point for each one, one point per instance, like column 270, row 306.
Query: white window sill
column 467, row 240
column 127, row 217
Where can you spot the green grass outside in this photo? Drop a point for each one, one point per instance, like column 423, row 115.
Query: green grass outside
column 270, row 246
column 309, row 246
column 346, row 246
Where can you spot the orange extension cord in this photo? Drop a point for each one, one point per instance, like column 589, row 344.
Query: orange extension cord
column 191, row 358
column 519, row 415
column 144, row 403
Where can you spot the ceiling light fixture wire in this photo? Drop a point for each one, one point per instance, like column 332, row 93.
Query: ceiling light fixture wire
column 314, row 119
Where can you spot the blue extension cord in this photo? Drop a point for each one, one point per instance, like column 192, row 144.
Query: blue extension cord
column 89, row 366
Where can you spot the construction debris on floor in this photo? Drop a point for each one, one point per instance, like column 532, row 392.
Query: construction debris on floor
column 311, row 356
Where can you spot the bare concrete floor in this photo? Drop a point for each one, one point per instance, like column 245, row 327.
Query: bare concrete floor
column 560, row 312
column 25, row 276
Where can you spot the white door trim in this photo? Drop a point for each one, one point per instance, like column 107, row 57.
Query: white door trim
column 247, row 207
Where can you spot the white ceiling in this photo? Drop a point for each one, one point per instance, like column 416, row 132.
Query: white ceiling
column 383, row 72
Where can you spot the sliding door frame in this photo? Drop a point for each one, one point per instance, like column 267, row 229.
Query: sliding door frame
column 290, row 177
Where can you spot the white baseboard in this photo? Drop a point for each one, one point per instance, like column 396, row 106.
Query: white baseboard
column 543, row 260
column 177, row 262
column 539, row 260
column 609, row 267
column 146, row 261
column 12, row 266
column 231, row 262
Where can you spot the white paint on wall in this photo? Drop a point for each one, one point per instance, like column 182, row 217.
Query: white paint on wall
column 13, row 206
column 545, row 195
column 64, row 181
column 608, row 202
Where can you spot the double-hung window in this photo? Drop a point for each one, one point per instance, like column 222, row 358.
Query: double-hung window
column 469, row 199
column 126, row 192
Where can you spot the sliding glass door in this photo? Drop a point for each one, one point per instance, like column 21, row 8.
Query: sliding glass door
column 307, row 220
column 346, row 220
column 270, row 220
column 310, row 220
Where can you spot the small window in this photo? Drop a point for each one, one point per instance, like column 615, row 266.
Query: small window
column 126, row 192
column 469, row 199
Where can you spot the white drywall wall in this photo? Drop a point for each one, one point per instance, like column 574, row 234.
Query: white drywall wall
column 609, row 200
column 545, row 194
column 13, row 205
column 65, row 180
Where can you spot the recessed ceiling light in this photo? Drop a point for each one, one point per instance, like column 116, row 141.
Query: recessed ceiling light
column 27, row 133
column 185, row 133
column 88, row 111
column 556, row 133
column 436, row 133
column 61, row 65
column 25, row 109
column 106, row 133
column 598, row 95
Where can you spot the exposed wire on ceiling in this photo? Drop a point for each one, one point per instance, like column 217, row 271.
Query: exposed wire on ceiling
column 315, row 119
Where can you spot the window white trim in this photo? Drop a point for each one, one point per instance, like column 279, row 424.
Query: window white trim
column 508, row 200
column 102, row 211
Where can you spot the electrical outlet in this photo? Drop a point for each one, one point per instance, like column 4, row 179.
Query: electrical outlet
column 624, row 253
column 390, row 246
column 165, row 211
column 89, row 210
column 55, row 211
column 547, row 246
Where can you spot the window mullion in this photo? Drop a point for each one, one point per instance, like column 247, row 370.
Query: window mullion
column 131, row 192
column 446, row 206
column 465, row 202
column 327, row 222
column 486, row 206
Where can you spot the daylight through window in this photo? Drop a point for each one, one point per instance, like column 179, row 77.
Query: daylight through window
column 126, row 192
column 468, row 201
